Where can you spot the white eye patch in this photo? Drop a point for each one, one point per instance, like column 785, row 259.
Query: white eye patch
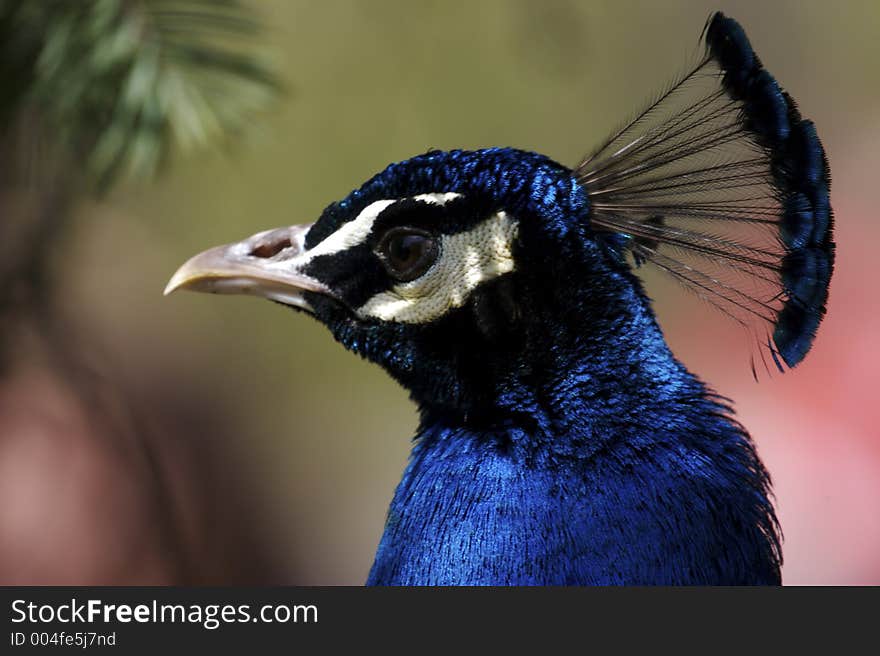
column 356, row 231
column 466, row 259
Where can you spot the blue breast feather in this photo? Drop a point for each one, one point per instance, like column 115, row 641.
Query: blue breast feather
column 630, row 474
column 466, row 515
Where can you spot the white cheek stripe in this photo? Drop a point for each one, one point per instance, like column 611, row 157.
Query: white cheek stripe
column 437, row 199
column 352, row 233
column 349, row 234
column 357, row 230
column 467, row 259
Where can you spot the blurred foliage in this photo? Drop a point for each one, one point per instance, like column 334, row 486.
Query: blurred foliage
column 117, row 82
column 95, row 91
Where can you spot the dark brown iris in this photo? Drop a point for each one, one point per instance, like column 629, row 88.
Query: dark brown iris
column 408, row 252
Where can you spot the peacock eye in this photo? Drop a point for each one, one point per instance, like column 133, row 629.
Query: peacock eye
column 408, row 252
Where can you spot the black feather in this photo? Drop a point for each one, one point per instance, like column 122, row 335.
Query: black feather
column 721, row 184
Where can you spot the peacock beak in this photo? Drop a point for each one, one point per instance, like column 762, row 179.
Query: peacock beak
column 268, row 265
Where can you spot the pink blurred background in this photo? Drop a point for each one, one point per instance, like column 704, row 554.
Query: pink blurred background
column 216, row 440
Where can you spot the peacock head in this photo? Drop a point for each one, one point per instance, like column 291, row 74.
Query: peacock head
column 472, row 276
column 451, row 269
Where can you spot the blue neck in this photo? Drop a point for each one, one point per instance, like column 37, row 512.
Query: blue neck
column 590, row 475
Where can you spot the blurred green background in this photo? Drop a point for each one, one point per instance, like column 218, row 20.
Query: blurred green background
column 274, row 453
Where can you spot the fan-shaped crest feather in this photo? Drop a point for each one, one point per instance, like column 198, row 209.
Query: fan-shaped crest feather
column 721, row 184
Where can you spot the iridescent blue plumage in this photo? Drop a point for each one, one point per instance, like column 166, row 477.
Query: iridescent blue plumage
column 560, row 441
column 583, row 453
column 801, row 178
column 586, row 453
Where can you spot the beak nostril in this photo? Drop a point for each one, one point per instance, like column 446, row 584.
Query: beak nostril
column 270, row 249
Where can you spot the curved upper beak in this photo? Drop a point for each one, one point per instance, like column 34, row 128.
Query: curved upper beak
column 268, row 264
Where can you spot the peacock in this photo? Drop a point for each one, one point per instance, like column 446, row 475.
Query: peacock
column 560, row 442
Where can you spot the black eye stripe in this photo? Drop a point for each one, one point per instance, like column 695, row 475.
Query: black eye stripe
column 456, row 215
column 355, row 274
column 359, row 273
column 409, row 212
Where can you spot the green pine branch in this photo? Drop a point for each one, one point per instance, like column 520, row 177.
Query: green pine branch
column 120, row 83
